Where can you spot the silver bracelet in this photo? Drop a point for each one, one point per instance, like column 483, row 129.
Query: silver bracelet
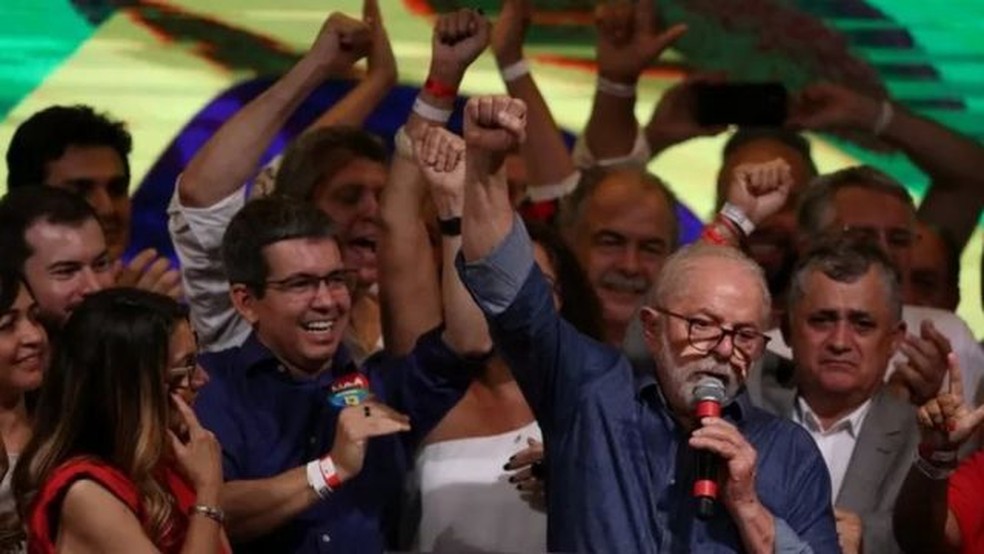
column 211, row 512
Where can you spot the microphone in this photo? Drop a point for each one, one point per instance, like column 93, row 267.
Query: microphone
column 708, row 395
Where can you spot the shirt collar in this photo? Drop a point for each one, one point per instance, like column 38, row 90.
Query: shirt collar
column 851, row 423
column 255, row 356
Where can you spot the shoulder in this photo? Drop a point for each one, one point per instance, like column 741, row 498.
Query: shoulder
column 92, row 515
column 772, row 435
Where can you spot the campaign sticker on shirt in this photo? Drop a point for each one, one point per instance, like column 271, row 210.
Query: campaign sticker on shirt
column 349, row 390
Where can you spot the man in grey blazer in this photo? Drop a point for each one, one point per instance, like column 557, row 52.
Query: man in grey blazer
column 844, row 324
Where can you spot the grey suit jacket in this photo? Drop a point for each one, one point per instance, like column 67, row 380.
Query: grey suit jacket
column 882, row 455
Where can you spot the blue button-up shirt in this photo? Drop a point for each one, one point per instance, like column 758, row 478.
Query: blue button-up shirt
column 269, row 422
column 620, row 467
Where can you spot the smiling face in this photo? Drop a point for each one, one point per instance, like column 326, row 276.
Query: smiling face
column 68, row 263
column 302, row 327
column 350, row 197
column 23, row 345
column 622, row 239
column 713, row 292
column 97, row 173
column 843, row 335
column 182, row 356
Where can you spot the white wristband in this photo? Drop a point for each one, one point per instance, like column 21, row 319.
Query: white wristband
column 737, row 216
column 884, row 118
column 426, row 111
column 515, row 71
column 612, row 88
column 403, row 143
column 316, row 479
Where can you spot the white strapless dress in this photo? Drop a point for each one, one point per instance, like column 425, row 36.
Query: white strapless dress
column 467, row 502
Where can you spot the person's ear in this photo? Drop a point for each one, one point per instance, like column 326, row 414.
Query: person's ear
column 244, row 300
column 651, row 327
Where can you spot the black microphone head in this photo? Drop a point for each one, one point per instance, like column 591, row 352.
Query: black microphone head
column 709, row 388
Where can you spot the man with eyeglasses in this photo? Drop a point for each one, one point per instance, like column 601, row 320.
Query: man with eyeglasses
column 844, row 322
column 621, row 442
column 308, row 467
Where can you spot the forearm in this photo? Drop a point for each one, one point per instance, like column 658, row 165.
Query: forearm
column 921, row 513
column 487, row 217
column 548, row 160
column 257, row 507
column 407, row 275
column 757, row 528
column 231, row 156
column 353, row 109
column 612, row 126
column 204, row 533
column 465, row 329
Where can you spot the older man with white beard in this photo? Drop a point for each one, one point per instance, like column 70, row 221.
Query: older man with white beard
column 621, row 443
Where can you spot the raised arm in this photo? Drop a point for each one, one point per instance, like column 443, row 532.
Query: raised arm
column 548, row 161
column 408, row 276
column 756, row 192
column 441, row 157
column 381, row 76
column 952, row 161
column 924, row 518
column 232, row 155
column 628, row 42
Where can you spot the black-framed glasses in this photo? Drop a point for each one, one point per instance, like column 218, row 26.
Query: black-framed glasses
column 337, row 281
column 705, row 335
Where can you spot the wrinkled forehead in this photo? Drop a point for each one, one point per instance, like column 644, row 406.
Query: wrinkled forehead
column 722, row 287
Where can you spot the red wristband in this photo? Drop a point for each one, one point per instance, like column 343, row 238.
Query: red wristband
column 730, row 225
column 439, row 89
column 712, row 236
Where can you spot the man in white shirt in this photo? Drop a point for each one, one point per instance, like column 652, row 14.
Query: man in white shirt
column 844, row 324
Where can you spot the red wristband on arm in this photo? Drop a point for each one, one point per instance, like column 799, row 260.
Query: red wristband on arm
column 439, row 89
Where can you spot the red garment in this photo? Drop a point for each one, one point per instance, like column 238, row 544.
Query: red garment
column 967, row 504
column 42, row 524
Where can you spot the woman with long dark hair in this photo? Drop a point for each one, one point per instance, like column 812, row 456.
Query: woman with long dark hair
column 23, row 356
column 118, row 461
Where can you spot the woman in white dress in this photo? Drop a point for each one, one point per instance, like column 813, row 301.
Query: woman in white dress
column 471, row 500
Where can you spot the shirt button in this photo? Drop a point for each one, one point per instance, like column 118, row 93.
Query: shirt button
column 325, row 538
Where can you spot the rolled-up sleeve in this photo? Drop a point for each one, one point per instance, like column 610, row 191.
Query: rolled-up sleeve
column 787, row 541
column 495, row 280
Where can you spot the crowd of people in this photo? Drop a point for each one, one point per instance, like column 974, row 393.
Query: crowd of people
column 489, row 342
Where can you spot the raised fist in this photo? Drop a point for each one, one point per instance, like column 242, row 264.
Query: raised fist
column 341, row 42
column 495, row 123
column 440, row 155
column 459, row 38
column 509, row 31
column 760, row 190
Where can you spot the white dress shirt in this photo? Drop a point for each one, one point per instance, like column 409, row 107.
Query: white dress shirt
column 836, row 443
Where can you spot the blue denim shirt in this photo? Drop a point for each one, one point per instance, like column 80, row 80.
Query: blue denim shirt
column 620, row 467
column 269, row 422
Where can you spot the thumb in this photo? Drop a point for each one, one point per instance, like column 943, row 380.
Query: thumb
column 661, row 42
